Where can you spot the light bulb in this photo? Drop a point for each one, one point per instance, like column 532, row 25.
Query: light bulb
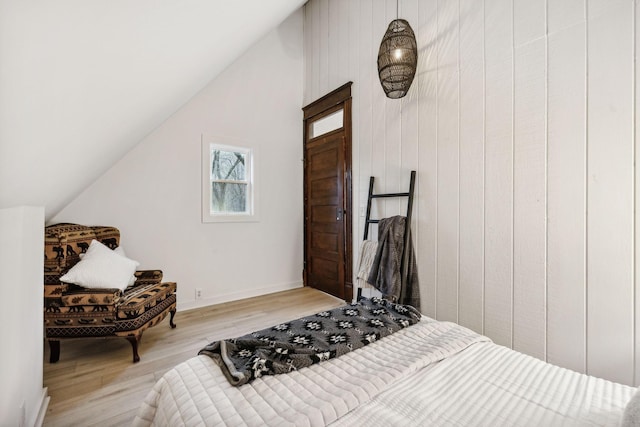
column 397, row 53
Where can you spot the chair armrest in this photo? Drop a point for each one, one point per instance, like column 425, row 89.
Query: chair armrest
column 79, row 296
column 147, row 277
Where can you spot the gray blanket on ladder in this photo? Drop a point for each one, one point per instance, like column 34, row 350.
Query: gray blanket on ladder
column 385, row 272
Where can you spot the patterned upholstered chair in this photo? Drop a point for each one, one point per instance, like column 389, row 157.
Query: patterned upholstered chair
column 72, row 311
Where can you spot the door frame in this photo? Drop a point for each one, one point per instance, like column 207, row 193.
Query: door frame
column 312, row 112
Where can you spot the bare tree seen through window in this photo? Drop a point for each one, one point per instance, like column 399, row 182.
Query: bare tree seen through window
column 228, row 181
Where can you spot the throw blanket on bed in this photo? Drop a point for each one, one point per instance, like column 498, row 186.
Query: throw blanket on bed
column 385, row 272
column 308, row 340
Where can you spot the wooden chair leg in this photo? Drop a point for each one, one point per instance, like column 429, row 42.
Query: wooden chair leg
column 173, row 313
column 54, row 346
column 134, row 345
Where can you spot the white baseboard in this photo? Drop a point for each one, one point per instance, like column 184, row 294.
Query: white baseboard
column 235, row 296
column 44, row 404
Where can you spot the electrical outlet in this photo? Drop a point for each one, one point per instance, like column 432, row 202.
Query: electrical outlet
column 198, row 293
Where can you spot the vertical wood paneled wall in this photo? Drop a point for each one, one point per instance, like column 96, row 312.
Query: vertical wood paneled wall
column 521, row 123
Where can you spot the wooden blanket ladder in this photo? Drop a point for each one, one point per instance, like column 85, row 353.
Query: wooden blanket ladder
column 368, row 221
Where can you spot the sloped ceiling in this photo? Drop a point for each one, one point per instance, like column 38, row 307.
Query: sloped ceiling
column 82, row 82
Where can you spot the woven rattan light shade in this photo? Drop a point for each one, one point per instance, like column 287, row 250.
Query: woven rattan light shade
column 397, row 59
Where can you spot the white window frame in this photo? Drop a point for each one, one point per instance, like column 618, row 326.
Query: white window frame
column 208, row 145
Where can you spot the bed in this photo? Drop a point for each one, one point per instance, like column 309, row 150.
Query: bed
column 430, row 373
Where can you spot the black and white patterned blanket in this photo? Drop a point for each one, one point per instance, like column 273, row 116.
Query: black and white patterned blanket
column 308, row 340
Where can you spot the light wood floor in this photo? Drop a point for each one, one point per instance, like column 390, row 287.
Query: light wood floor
column 95, row 382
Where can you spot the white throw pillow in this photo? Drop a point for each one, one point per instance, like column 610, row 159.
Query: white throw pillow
column 117, row 250
column 102, row 268
column 120, row 252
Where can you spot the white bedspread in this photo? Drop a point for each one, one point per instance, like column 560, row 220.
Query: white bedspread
column 195, row 393
column 491, row 385
column 395, row 381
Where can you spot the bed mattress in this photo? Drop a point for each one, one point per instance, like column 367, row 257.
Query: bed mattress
column 433, row 373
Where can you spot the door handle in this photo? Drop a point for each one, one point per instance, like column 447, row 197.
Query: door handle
column 339, row 214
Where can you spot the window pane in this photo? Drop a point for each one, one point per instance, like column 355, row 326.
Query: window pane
column 327, row 124
column 228, row 197
column 227, row 165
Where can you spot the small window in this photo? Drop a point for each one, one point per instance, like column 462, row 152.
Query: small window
column 228, row 183
column 327, row 124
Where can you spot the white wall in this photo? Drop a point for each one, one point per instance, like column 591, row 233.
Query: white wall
column 153, row 195
column 521, row 123
column 22, row 399
column 83, row 82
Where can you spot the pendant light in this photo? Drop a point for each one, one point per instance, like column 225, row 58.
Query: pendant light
column 397, row 58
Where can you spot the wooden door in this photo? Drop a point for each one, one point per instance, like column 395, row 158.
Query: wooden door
column 327, row 194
